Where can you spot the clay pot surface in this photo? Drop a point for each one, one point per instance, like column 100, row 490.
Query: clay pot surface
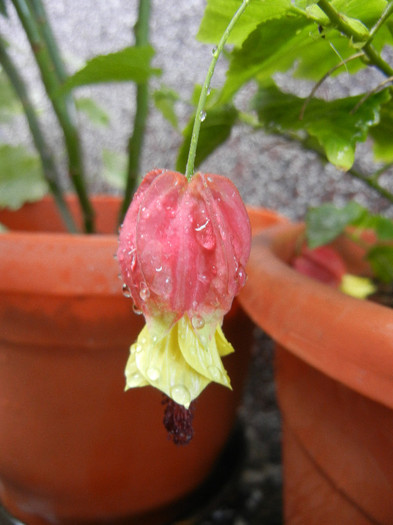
column 74, row 447
column 334, row 374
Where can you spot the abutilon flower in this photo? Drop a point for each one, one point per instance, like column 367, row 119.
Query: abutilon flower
column 183, row 247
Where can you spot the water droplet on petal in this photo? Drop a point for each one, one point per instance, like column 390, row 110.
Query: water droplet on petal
column 126, row 291
column 181, row 395
column 138, row 348
column 214, row 372
column 136, row 310
column 115, row 256
column 241, row 276
column 144, row 292
column 170, row 211
column 202, row 116
column 134, row 379
column 153, row 373
column 197, row 322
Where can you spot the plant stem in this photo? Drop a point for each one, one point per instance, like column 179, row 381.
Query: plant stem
column 63, row 106
column 48, row 36
column 47, row 161
column 199, row 114
column 339, row 21
column 385, row 15
column 135, row 143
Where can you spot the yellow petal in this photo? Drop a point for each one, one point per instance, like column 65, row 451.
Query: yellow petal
column 223, row 345
column 200, row 350
column 133, row 377
column 163, row 366
column 359, row 287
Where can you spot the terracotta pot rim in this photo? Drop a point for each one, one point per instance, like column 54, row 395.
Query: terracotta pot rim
column 348, row 339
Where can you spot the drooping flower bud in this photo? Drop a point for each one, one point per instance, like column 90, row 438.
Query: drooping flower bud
column 182, row 252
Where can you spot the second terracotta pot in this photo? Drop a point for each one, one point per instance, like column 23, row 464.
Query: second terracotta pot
column 335, row 386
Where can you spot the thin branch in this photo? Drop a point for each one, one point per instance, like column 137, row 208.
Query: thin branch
column 385, row 15
column 380, row 86
column 347, row 29
column 48, row 164
column 322, row 80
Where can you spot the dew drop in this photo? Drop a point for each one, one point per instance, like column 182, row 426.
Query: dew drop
column 170, row 211
column 144, row 292
column 241, row 276
column 136, row 310
column 153, row 373
column 197, row 322
column 181, row 395
column 115, row 256
column 202, row 116
column 159, row 269
column 214, row 51
column 134, row 379
column 138, row 348
column 208, row 91
column 214, row 372
column 126, row 291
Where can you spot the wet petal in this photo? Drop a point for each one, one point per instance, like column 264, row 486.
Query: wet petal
column 201, row 352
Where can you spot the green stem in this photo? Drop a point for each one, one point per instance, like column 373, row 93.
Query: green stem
column 135, row 144
column 63, row 106
column 48, row 165
column 200, row 115
column 48, row 36
column 340, row 22
column 385, row 15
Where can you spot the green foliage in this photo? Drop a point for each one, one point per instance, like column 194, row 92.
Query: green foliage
column 128, row 64
column 93, row 111
column 164, row 100
column 338, row 125
column 327, row 222
column 21, row 178
column 215, row 130
column 380, row 258
column 9, row 105
column 115, row 168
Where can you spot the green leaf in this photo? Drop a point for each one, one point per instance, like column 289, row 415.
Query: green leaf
column 326, row 222
column 272, row 47
column 218, row 14
column 115, row 168
column 382, row 134
column 128, row 64
column 21, row 178
column 380, row 258
column 9, row 103
column 335, row 124
column 93, row 111
column 215, row 130
column 164, row 100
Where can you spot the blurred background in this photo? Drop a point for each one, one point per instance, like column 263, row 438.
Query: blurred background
column 268, row 171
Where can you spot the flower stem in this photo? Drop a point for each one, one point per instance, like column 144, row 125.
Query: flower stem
column 135, row 143
column 199, row 115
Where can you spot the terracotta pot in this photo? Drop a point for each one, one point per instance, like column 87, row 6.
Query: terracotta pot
column 335, row 386
column 74, row 448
